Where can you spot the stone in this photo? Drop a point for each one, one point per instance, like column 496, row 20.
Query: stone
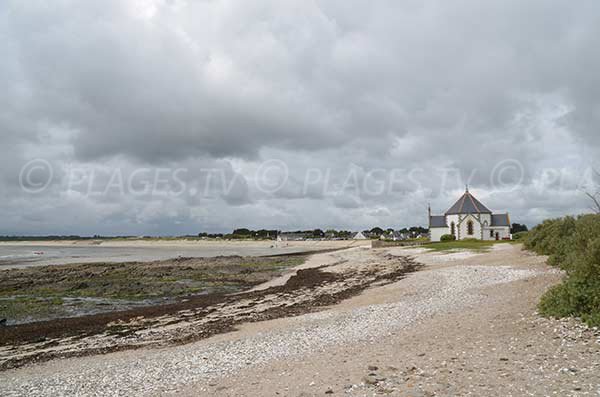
column 369, row 380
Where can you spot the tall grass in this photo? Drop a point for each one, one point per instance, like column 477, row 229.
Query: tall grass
column 572, row 244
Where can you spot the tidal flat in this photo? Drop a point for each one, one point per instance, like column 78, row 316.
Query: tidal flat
column 48, row 292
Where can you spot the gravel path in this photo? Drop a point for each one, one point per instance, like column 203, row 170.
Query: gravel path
column 158, row 371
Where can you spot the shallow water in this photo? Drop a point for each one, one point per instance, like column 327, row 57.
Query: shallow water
column 18, row 256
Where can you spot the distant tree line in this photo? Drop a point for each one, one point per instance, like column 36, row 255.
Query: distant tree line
column 243, row 233
column 518, row 228
column 332, row 233
column 413, row 230
column 314, row 233
column 210, row 235
column 271, row 234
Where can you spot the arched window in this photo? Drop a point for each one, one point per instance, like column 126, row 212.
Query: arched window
column 452, row 228
column 470, row 228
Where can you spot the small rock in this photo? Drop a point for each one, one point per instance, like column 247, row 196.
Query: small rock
column 369, row 380
column 372, row 368
column 329, row 391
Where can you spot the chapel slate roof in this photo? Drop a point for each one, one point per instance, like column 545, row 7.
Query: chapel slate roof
column 500, row 220
column 437, row 221
column 468, row 204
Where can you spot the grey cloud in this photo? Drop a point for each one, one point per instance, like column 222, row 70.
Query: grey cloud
column 329, row 86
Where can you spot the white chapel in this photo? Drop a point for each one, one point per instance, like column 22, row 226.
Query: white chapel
column 468, row 218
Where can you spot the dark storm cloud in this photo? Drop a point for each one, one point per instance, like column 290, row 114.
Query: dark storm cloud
column 333, row 86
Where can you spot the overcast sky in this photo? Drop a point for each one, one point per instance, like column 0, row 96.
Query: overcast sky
column 175, row 117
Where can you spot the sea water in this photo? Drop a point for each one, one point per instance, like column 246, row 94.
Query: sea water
column 18, row 256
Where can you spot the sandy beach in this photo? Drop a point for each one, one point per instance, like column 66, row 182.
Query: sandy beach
column 462, row 324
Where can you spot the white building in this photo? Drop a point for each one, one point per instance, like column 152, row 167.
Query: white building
column 359, row 236
column 468, row 218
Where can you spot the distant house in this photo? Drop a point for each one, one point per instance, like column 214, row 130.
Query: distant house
column 394, row 236
column 359, row 236
column 293, row 236
column 468, row 218
column 399, row 236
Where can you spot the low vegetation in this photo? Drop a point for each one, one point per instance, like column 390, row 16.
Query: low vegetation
column 447, row 237
column 466, row 244
column 573, row 245
column 519, row 235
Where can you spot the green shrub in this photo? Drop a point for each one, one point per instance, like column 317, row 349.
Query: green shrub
column 554, row 238
column 574, row 297
column 447, row 237
column 574, row 246
column 519, row 235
